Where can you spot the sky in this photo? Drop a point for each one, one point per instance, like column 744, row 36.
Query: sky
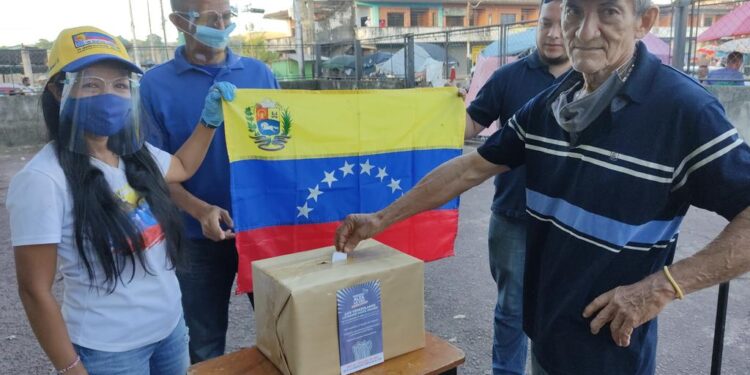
column 27, row 21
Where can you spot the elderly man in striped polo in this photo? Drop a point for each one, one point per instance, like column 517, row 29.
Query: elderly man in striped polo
column 615, row 154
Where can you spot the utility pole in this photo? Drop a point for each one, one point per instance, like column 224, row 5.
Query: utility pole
column 468, row 14
column 150, row 31
column 680, row 33
column 164, row 31
column 409, row 60
column 298, row 31
column 132, row 29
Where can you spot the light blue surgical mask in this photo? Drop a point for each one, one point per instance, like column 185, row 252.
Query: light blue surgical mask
column 214, row 38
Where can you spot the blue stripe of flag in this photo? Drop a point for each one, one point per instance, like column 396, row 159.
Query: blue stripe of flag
column 307, row 191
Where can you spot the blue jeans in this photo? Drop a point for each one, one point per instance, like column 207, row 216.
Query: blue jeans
column 507, row 243
column 206, row 285
column 166, row 357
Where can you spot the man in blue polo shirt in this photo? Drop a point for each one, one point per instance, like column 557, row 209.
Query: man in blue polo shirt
column 729, row 75
column 172, row 94
column 507, row 90
column 615, row 155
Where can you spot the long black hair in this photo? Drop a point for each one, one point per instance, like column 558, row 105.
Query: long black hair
column 104, row 233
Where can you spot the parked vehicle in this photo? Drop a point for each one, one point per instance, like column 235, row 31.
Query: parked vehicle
column 10, row 89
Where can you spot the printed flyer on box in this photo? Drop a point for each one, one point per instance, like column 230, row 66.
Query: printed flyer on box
column 360, row 327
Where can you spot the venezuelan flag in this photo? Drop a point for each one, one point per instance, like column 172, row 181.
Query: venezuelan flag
column 300, row 161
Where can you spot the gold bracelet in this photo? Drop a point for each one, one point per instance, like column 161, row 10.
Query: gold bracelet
column 676, row 287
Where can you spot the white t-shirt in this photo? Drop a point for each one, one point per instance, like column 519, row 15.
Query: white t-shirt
column 141, row 311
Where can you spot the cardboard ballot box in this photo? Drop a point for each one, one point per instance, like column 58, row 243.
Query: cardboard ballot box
column 296, row 315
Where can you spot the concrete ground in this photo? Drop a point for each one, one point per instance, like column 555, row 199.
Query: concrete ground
column 459, row 296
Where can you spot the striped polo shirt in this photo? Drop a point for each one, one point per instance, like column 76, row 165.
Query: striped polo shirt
column 607, row 211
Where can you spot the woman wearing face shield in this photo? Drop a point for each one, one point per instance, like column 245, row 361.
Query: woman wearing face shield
column 93, row 204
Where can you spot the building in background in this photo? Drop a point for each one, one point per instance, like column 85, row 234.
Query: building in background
column 379, row 25
column 702, row 18
column 391, row 14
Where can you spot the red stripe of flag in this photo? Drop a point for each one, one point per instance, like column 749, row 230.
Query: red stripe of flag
column 427, row 236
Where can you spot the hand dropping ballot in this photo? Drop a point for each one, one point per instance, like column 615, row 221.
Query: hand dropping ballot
column 316, row 317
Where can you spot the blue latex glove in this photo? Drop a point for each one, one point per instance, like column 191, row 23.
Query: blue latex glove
column 212, row 114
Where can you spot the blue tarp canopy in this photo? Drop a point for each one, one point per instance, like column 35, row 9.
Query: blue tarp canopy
column 376, row 58
column 435, row 51
column 516, row 43
column 340, row 62
column 343, row 62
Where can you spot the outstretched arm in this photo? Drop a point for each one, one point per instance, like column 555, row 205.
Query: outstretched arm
column 441, row 185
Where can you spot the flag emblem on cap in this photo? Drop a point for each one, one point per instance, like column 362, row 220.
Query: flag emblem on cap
column 87, row 39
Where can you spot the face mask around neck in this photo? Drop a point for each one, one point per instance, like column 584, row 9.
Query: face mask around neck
column 574, row 115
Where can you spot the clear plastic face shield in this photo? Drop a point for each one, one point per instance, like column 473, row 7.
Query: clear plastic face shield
column 102, row 102
column 211, row 28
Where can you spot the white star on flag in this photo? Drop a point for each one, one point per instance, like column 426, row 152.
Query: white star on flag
column 347, row 168
column 329, row 178
column 366, row 167
column 394, row 185
column 381, row 174
column 314, row 193
column 304, row 211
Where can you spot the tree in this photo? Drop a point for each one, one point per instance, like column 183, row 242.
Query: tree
column 254, row 46
column 43, row 44
column 153, row 38
column 125, row 42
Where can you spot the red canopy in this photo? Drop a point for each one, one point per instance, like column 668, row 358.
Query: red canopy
column 658, row 47
column 734, row 23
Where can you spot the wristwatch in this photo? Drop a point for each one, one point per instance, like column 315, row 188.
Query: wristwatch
column 206, row 124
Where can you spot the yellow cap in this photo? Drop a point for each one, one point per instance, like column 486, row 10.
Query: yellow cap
column 79, row 47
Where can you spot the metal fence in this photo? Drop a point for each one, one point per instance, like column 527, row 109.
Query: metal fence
column 435, row 57
column 432, row 58
column 19, row 62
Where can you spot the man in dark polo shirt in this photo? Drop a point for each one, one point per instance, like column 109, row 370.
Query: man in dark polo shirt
column 615, row 154
column 507, row 90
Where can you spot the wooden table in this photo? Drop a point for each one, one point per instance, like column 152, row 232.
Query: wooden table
column 437, row 357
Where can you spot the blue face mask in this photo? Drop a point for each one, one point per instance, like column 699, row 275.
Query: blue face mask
column 214, row 38
column 102, row 115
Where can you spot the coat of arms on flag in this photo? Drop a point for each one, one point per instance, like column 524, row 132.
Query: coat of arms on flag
column 269, row 125
column 352, row 151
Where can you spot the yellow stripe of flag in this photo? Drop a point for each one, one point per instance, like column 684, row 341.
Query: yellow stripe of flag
column 297, row 124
